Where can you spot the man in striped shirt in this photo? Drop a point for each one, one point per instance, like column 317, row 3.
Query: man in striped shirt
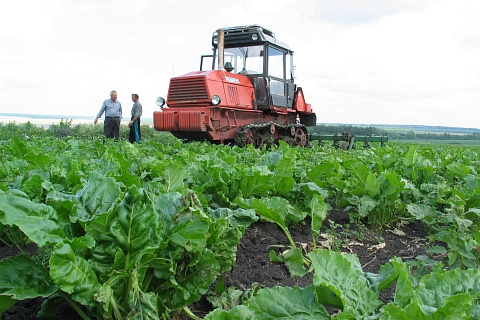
column 134, row 124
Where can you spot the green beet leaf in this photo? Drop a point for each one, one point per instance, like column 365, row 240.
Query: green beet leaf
column 412, row 311
column 194, row 282
column 142, row 305
column 271, row 159
column 62, row 203
column 190, row 232
column 438, row 295
column 136, row 225
column 342, row 274
column 51, row 306
column 283, row 177
column 23, row 278
column 73, row 274
column 372, row 186
column 6, row 303
column 110, row 308
column 128, row 179
column 257, row 181
column 319, row 210
column 293, row 259
column 168, row 205
column 38, row 221
column 272, row 209
column 456, row 307
column 223, row 241
column 459, row 306
column 174, row 176
column 240, row 312
column 97, row 197
column 421, row 211
column 384, row 279
column 310, row 189
column 366, row 205
column 238, row 217
column 436, row 288
column 225, row 299
column 405, row 283
column 33, row 185
column 459, row 170
column 358, row 170
column 319, row 173
column 286, row 303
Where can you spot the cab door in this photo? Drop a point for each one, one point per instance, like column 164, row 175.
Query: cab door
column 281, row 89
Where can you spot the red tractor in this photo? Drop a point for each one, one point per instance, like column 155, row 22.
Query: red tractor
column 250, row 98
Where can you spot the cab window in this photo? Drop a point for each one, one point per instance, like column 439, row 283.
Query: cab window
column 276, row 63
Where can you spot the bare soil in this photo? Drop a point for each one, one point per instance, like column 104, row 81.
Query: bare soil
column 373, row 248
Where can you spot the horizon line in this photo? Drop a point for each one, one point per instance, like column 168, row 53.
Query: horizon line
column 66, row 117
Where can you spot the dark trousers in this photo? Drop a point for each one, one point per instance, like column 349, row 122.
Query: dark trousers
column 134, row 135
column 111, row 128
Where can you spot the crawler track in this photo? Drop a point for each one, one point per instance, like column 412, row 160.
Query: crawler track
column 269, row 133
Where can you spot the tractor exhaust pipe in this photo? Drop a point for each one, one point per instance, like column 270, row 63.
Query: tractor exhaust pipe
column 221, row 50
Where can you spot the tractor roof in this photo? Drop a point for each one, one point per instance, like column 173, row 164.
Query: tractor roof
column 242, row 36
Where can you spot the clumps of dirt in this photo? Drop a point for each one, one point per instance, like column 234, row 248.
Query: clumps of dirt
column 373, row 248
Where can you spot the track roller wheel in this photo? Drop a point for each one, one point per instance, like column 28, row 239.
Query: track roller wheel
column 272, row 129
column 249, row 137
column 300, row 137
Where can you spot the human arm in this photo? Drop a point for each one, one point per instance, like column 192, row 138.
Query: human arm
column 137, row 114
column 102, row 109
column 133, row 120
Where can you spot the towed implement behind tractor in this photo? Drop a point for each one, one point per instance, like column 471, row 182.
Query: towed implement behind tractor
column 250, row 98
column 348, row 140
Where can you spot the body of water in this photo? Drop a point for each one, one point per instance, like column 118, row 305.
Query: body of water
column 48, row 120
column 43, row 121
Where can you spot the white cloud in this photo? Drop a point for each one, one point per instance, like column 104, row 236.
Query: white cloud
column 358, row 61
column 410, row 63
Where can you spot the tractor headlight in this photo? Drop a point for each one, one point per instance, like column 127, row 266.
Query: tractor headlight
column 254, row 37
column 215, row 37
column 216, row 100
column 160, row 102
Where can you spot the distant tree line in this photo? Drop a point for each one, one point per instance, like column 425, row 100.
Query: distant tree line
column 392, row 134
column 339, row 129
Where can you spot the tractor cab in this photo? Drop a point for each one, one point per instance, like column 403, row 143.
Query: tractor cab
column 255, row 52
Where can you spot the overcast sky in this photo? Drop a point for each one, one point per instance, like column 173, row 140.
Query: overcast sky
column 358, row 61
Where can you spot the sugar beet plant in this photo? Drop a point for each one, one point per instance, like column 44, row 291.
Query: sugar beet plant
column 128, row 226
column 340, row 282
column 122, row 255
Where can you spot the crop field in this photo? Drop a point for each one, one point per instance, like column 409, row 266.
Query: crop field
column 446, row 142
column 100, row 229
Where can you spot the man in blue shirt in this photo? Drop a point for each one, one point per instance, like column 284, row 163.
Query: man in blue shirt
column 113, row 115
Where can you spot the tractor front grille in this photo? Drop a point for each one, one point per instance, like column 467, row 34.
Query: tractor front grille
column 187, row 90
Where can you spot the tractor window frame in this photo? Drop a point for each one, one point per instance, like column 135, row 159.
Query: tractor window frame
column 276, row 62
column 247, row 60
